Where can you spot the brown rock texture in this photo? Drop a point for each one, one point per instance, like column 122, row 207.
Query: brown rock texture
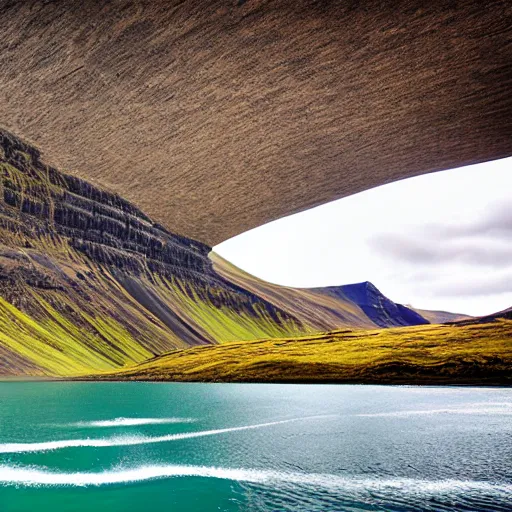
column 215, row 117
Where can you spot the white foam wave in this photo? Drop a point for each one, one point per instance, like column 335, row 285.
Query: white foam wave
column 33, row 476
column 491, row 404
column 130, row 422
column 127, row 440
column 500, row 409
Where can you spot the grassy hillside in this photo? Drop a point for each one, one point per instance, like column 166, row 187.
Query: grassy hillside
column 432, row 354
column 441, row 317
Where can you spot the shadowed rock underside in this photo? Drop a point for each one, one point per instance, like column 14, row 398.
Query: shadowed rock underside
column 216, row 117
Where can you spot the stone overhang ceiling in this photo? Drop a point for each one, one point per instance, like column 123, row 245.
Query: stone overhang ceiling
column 215, row 117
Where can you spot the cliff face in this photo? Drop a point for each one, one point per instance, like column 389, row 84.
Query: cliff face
column 39, row 201
column 87, row 281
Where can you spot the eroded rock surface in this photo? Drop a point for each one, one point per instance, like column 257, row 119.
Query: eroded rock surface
column 217, row 116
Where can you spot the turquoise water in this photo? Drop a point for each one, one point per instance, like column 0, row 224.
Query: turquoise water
column 230, row 447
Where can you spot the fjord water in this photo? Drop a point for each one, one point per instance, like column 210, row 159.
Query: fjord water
column 230, row 447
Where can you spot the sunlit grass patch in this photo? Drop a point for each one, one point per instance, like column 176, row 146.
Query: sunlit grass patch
column 442, row 354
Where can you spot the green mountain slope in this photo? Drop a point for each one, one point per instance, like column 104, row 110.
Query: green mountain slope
column 476, row 353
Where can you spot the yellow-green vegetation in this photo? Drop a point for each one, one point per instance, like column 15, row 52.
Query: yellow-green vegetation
column 77, row 327
column 434, row 354
column 224, row 323
column 54, row 346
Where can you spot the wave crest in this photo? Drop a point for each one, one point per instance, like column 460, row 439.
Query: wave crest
column 127, row 440
column 33, row 476
column 130, row 422
column 480, row 408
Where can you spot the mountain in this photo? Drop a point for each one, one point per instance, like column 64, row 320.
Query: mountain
column 356, row 305
column 377, row 307
column 440, row 317
column 89, row 283
column 505, row 314
column 313, row 307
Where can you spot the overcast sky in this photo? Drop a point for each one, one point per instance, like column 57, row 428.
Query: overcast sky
column 438, row 241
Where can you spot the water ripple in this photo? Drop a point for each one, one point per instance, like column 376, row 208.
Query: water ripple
column 34, row 476
column 129, row 422
column 130, row 440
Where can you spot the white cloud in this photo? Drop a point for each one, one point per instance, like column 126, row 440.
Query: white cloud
column 414, row 239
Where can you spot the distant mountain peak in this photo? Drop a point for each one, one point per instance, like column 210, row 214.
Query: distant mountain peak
column 381, row 310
